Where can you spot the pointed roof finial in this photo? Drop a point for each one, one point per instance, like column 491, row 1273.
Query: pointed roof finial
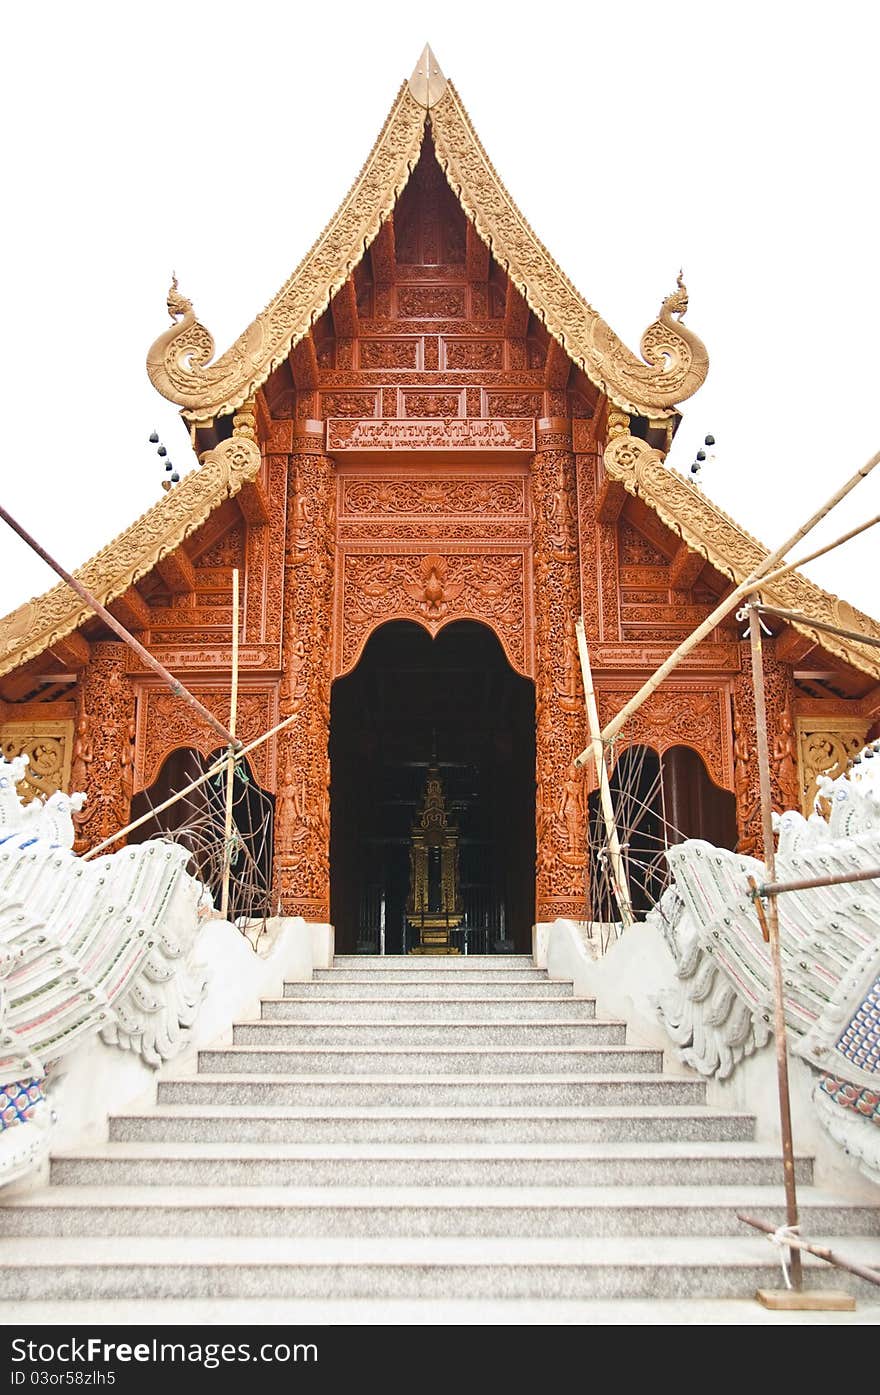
column 427, row 83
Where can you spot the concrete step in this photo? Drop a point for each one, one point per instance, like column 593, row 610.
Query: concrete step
column 432, row 963
column 398, row 1091
column 406, row 1165
column 425, row 1312
column 441, row 1033
column 407, row 1009
column 458, row 986
column 469, row 1211
column 489, row 1060
column 511, row 978
column 470, row 1268
column 230, row 1123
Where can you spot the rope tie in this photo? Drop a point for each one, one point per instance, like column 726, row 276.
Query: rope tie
column 781, row 1238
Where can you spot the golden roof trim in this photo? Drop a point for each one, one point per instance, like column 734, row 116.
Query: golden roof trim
column 43, row 621
column 712, row 533
column 676, row 361
column 179, row 362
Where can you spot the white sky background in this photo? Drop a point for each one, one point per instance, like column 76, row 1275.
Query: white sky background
column 739, row 142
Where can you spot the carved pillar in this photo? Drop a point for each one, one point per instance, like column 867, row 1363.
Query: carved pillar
column 561, row 729
column 302, row 822
column 779, row 685
column 103, row 752
column 606, row 546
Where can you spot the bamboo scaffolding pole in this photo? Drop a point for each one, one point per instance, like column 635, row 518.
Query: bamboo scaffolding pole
column 215, row 769
column 618, row 872
column 795, row 617
column 772, row 918
column 230, row 759
column 777, row 888
column 110, row 620
column 871, row 1275
column 763, row 572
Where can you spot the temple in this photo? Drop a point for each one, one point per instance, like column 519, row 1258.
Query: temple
column 427, row 457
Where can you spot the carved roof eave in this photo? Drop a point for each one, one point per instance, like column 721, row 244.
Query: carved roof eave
column 38, row 624
column 706, row 529
column 179, row 362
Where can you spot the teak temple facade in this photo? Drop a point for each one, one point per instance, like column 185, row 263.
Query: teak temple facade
column 427, row 457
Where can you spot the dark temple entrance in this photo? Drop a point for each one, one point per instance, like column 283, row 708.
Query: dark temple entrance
column 411, row 697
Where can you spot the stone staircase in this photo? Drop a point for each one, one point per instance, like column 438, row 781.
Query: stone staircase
column 418, row 1129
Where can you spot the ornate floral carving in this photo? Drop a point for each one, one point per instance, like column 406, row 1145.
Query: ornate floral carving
column 825, row 746
column 302, row 826
column 165, row 724
column 473, row 353
column 104, row 761
column 475, row 531
column 514, row 404
column 431, row 302
column 433, row 589
column 636, row 549
column 779, row 693
column 560, row 722
column 433, row 404
column 349, row 404
column 48, row 746
column 437, row 495
column 695, row 714
column 389, row 353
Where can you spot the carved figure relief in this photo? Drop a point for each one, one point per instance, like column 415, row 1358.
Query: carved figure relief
column 302, row 826
column 779, row 694
column 560, row 722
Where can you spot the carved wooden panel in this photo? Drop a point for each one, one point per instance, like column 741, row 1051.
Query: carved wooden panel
column 104, row 745
column 679, row 713
column 432, row 495
column 165, row 724
column 825, row 746
column 636, row 549
column 513, row 404
column 430, row 434
column 49, row 748
column 431, row 302
column 472, row 353
column 779, row 696
column 351, row 404
column 390, row 353
column 417, row 402
column 302, row 808
column 561, row 793
column 433, row 589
